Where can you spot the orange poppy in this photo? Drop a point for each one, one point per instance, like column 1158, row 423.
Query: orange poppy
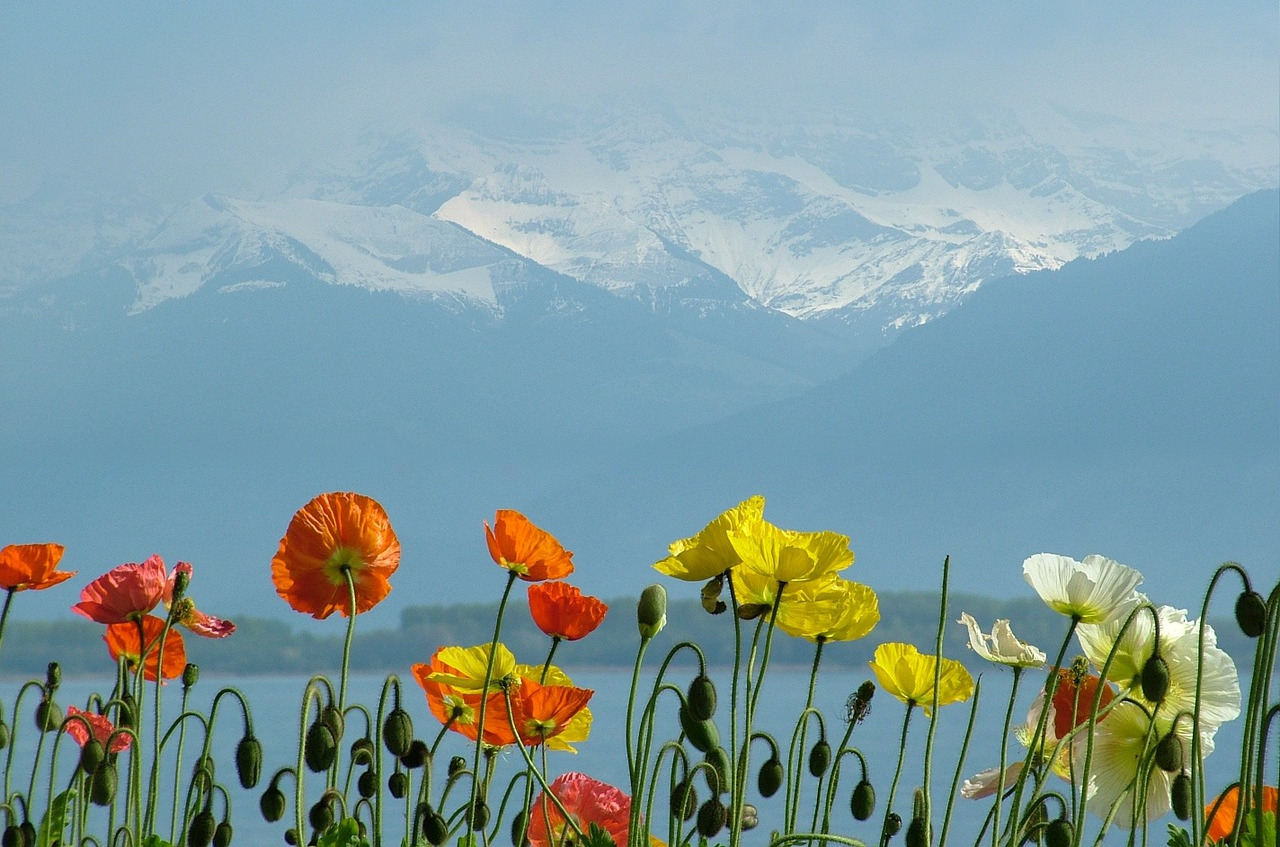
column 562, row 611
column 531, row 553
column 1071, row 700
column 541, row 712
column 124, row 639
column 333, row 535
column 31, row 567
column 1223, row 821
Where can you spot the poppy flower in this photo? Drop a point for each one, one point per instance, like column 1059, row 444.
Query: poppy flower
column 124, row 639
column 102, row 727
column 1094, row 591
column 788, row 556
column 588, row 801
column 1073, row 700
column 709, row 553
column 332, row 536
column 562, row 611
column 1223, row 822
column 531, row 553
column 831, row 610
column 1001, row 647
column 125, row 593
column 908, row 674
column 31, row 567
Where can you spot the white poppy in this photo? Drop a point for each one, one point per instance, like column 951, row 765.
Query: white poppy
column 1095, row 590
column 984, row 783
column 1001, row 646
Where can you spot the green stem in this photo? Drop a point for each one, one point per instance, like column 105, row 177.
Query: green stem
column 4, row 616
column 484, row 698
column 346, row 644
column 897, row 772
column 1004, row 756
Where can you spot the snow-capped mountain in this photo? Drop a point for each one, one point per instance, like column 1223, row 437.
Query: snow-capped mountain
column 879, row 225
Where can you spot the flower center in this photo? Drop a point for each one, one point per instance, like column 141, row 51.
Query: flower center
column 340, row 561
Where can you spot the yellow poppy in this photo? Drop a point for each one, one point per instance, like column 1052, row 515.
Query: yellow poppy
column 789, row 556
column 463, row 668
column 709, row 553
column 907, row 674
column 836, row 610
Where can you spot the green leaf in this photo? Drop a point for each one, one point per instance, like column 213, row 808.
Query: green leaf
column 1250, row 836
column 344, row 833
column 54, row 823
column 467, row 840
column 154, row 840
column 597, row 836
column 1178, row 837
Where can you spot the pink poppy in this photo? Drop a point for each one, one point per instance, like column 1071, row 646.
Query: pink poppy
column 129, row 592
column 589, row 801
column 102, row 730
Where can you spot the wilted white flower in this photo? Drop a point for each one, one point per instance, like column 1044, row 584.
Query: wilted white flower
column 1094, row 591
column 1001, row 646
column 986, row 783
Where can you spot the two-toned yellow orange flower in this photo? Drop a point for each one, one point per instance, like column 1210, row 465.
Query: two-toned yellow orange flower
column 908, row 674
column 336, row 536
column 138, row 642
column 562, row 611
column 31, row 567
column 531, row 553
column 710, row 553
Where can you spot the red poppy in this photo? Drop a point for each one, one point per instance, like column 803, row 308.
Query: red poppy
column 527, row 551
column 102, row 730
column 125, row 593
column 124, row 639
column 334, row 535
column 541, row 712
column 1075, row 701
column 1223, row 821
column 588, row 801
column 26, row 567
column 562, row 611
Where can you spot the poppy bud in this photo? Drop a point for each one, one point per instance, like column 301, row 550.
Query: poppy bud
column 1169, row 753
column 1155, row 679
column 703, row 735
column 750, row 817
column 751, row 611
column 398, row 784
column 200, row 833
column 331, row 716
column 718, row 777
column 479, row 814
column 1059, row 833
column 456, row 766
column 702, row 697
column 712, row 817
column 1180, row 796
column 181, row 579
column 1251, row 613
column 202, row 771
column 519, row 829
column 91, row 755
column 397, row 732
column 917, row 833
column 29, row 833
column 651, row 611
column 892, row 824
column 102, row 785
column 320, row 816
column 858, row 706
column 249, row 761
column 127, row 712
column 320, row 749
column 434, row 827
column 367, row 783
column 684, row 800
column 291, row 837
column 863, row 800
column 48, row 716
column 12, row 837
column 769, row 780
column 4, row 734
column 52, row 677
column 272, row 804
column 223, row 834
column 362, row 751
column 190, row 675
column 416, row 756
column 710, row 595
column 819, row 758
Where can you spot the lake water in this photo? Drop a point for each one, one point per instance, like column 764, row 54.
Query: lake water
column 275, row 702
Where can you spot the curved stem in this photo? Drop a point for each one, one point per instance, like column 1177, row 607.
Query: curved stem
column 897, row 772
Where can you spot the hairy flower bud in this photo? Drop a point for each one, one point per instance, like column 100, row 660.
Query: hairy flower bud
column 91, row 755
column 718, row 777
column 48, row 716
column 684, row 800
column 434, row 827
column 769, row 780
column 712, row 817
column 1169, row 753
column 320, row 748
column 52, row 677
column 1155, row 679
column 320, row 815
column 1251, row 613
column 457, row 765
column 190, row 675
column 702, row 697
column 1180, row 796
column 651, row 611
column 12, row 836
column 102, row 786
column 367, row 783
column 272, row 804
column 223, row 834
column 862, row 803
column 397, row 732
column 417, row 755
column 4, row 734
column 398, row 784
column 892, row 824
column 703, row 735
column 200, row 832
column 249, row 761
column 1059, row 833
column 520, row 829
column 479, row 814
column 362, row 751
column 819, row 758
column 917, row 833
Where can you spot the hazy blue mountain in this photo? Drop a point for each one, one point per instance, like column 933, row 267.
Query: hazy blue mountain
column 1128, row 405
